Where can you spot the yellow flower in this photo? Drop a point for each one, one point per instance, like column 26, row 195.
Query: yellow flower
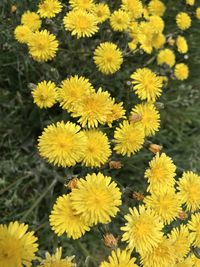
column 150, row 117
column 198, row 13
column 194, row 227
column 128, row 138
column 119, row 20
column 63, row 219
column 146, row 84
column 17, row 246
column 133, row 7
column 156, row 23
column 181, row 240
column 189, row 187
column 162, row 256
column 183, row 21
column 158, row 40
column 119, row 258
column 80, row 23
column 190, row 2
column 72, row 89
column 182, row 45
column 144, row 37
column 166, row 56
column 181, row 71
column 62, row 144
column 42, row 45
column 143, row 229
column 96, row 198
column 93, row 109
column 31, row 20
column 45, row 94
column 49, row 8
column 161, row 173
column 156, row 7
column 97, row 149
column 188, row 262
column 22, row 34
column 108, row 58
column 86, row 5
column 165, row 203
column 101, row 12
column 117, row 112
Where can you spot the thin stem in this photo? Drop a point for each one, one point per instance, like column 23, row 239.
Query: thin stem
column 85, row 252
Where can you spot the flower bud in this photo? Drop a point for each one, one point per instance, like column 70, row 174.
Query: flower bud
column 110, row 241
column 155, row 148
column 115, row 164
column 138, row 196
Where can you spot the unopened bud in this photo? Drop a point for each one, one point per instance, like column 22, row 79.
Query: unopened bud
column 115, row 164
column 171, row 41
column 155, row 148
column 13, row 8
column 109, row 240
column 72, row 183
column 182, row 215
column 135, row 117
column 138, row 196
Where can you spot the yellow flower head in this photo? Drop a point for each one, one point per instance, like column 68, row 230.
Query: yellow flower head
column 42, row 46
column 72, row 89
column 156, row 23
column 150, row 117
column 166, row 56
column 96, row 198
column 146, row 84
column 198, row 13
column 182, row 45
column 194, row 227
column 22, row 34
column 133, row 7
column 181, row 240
column 189, row 187
column 156, row 7
column 49, row 8
column 45, row 94
column 86, row 5
column 143, row 229
column 145, row 36
column 162, row 201
column 80, row 23
column 31, row 20
column 108, row 58
column 183, row 21
column 128, row 138
column 119, row 20
column 187, row 262
column 62, row 144
column 17, row 246
column 162, row 256
column 190, row 2
column 119, row 258
column 161, row 173
column 63, row 219
column 158, row 40
column 101, row 12
column 181, row 71
column 117, row 112
column 93, row 109
column 97, row 149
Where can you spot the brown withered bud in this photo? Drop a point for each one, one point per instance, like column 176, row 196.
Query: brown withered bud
column 109, row 240
column 171, row 41
column 182, row 215
column 137, row 196
column 155, row 148
column 135, row 117
column 72, row 183
column 115, row 164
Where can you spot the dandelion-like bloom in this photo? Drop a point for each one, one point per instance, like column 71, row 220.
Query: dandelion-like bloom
column 45, row 94
column 198, row 13
column 194, row 227
column 80, row 23
column 128, row 138
column 146, row 84
column 42, row 45
column 22, row 34
column 101, row 12
column 143, row 229
column 166, row 56
column 190, row 2
column 96, row 198
column 62, row 144
column 187, row 262
column 181, row 240
column 49, row 8
column 119, row 258
column 189, row 187
column 86, row 5
column 108, row 58
column 161, row 173
column 72, row 89
column 183, row 21
column 63, row 220
column 17, row 246
column 97, row 149
column 150, row 117
column 158, row 40
column 163, row 255
column 133, row 7
column 93, row 109
column 119, row 20
column 156, row 7
column 181, row 71
column 31, row 20
column 157, row 24
column 182, row 45
column 117, row 112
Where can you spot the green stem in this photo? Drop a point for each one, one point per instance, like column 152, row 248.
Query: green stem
column 12, row 184
column 85, row 252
